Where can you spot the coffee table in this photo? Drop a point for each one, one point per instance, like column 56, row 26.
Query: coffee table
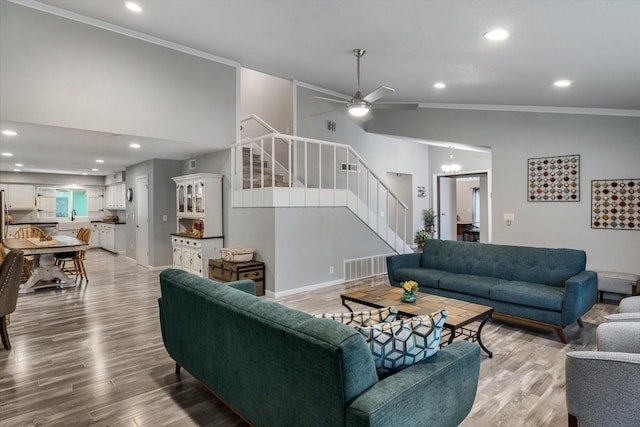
column 461, row 313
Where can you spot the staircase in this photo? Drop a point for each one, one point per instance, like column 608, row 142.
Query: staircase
column 315, row 173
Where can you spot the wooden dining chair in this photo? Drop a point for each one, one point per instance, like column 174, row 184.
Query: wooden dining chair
column 9, row 287
column 75, row 259
column 26, row 232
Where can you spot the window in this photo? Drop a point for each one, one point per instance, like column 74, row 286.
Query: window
column 71, row 200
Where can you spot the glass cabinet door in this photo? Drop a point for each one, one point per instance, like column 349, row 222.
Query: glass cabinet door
column 199, row 197
column 190, row 198
column 181, row 198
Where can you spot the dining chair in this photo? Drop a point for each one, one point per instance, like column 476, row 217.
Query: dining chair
column 76, row 258
column 10, row 271
column 25, row 232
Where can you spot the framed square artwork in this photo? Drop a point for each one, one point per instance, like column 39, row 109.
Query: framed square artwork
column 615, row 204
column 554, row 179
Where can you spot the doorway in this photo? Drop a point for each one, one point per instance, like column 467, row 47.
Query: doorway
column 459, row 218
column 142, row 220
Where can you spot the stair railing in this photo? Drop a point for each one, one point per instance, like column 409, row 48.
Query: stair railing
column 316, row 173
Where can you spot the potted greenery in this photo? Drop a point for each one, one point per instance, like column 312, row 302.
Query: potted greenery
column 429, row 219
column 421, row 237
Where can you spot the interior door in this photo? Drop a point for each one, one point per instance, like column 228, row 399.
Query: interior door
column 141, row 197
column 447, row 212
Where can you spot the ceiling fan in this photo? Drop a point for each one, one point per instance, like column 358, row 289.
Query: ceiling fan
column 360, row 105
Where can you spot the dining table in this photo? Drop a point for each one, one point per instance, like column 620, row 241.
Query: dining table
column 44, row 271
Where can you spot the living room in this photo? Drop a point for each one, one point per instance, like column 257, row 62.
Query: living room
column 605, row 138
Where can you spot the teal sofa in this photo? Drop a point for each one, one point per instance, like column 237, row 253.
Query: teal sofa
column 549, row 287
column 276, row 366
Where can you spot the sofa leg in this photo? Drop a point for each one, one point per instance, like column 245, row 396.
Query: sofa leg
column 178, row 367
column 560, row 333
column 580, row 323
column 573, row 421
column 3, row 333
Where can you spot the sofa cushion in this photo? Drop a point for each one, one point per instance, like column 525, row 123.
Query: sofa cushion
column 479, row 286
column 363, row 318
column 529, row 294
column 402, row 343
column 424, row 276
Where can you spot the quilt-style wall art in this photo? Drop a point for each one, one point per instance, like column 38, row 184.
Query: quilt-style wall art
column 615, row 204
column 554, row 179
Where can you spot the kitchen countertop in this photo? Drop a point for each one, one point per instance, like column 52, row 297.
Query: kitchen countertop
column 107, row 222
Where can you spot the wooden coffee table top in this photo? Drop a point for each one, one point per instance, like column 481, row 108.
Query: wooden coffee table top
column 461, row 313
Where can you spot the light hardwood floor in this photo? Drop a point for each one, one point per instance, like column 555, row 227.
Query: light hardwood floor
column 93, row 355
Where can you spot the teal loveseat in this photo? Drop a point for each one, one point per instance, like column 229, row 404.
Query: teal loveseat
column 276, row 366
column 549, row 287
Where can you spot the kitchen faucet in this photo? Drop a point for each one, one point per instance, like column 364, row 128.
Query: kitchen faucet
column 73, row 214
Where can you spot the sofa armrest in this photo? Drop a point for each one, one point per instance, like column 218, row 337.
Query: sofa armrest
column 630, row 305
column 396, row 262
column 602, row 387
column 619, row 337
column 248, row 286
column 581, row 293
column 437, row 391
column 623, row 317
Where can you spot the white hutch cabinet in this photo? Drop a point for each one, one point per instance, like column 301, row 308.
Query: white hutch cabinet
column 198, row 236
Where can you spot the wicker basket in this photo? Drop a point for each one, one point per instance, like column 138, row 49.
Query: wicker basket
column 237, row 254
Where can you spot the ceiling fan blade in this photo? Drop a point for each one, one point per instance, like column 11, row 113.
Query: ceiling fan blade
column 341, row 101
column 394, row 106
column 326, row 112
column 378, row 93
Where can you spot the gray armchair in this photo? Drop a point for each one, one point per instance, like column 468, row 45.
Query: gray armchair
column 602, row 386
column 10, row 272
column 628, row 311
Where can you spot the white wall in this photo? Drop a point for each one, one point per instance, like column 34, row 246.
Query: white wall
column 60, row 72
column 609, row 147
column 268, row 97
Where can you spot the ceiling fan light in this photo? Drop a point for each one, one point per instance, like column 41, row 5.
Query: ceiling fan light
column 358, row 109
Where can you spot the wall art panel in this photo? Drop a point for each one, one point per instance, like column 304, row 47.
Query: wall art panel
column 554, row 179
column 615, row 204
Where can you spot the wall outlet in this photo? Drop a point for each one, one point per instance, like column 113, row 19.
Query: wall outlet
column 164, row 218
column 331, row 270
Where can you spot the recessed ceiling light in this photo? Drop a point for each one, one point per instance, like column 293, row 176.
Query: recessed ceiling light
column 134, row 7
column 134, row 145
column 497, row 34
column 95, row 170
column 7, row 154
column 19, row 165
column 9, row 132
column 439, row 85
column 17, row 170
column 562, row 83
column 99, row 161
column 84, row 173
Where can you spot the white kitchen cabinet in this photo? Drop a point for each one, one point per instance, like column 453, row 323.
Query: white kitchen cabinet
column 113, row 237
column 94, row 242
column 115, row 196
column 20, row 197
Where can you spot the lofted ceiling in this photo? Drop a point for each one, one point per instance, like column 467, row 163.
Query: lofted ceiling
column 410, row 46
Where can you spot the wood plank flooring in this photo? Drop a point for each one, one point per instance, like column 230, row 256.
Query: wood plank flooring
column 93, row 355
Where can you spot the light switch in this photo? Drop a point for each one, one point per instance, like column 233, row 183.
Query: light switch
column 509, row 217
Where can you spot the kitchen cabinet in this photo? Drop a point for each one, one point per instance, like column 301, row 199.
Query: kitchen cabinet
column 20, row 197
column 46, row 202
column 115, row 196
column 112, row 237
column 94, row 242
column 95, row 202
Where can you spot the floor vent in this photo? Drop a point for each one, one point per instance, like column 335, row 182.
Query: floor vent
column 365, row 267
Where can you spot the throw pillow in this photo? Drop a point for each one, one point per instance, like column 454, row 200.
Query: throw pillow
column 402, row 343
column 363, row 318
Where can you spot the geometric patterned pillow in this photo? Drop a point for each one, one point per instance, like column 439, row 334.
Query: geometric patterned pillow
column 363, row 318
column 402, row 343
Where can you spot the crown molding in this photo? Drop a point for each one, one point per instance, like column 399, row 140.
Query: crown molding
column 123, row 31
column 534, row 109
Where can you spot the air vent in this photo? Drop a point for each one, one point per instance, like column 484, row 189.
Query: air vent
column 192, row 164
column 351, row 167
column 365, row 267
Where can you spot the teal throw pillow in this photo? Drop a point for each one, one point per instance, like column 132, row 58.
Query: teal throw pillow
column 402, row 343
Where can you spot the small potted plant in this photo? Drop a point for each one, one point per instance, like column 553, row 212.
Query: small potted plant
column 421, row 237
column 409, row 288
column 429, row 219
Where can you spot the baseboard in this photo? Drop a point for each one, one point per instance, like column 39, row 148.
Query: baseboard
column 274, row 295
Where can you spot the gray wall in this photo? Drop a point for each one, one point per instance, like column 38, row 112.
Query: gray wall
column 84, row 77
column 268, row 97
column 609, row 147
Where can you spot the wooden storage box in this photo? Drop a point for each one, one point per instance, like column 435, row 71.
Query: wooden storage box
column 237, row 254
column 226, row 271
